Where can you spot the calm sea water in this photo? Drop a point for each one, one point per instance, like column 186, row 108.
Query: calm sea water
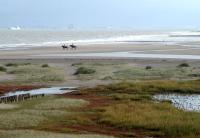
column 33, row 38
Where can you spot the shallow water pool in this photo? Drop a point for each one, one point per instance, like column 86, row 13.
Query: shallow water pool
column 46, row 91
column 189, row 102
column 130, row 54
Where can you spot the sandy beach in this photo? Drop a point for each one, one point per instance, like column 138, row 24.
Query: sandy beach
column 56, row 56
column 99, row 69
column 57, row 52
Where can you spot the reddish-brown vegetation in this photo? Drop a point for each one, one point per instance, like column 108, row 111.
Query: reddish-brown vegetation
column 8, row 88
column 96, row 102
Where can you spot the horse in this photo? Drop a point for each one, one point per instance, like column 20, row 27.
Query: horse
column 64, row 47
column 73, row 46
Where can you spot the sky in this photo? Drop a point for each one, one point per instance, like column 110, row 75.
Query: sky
column 163, row 14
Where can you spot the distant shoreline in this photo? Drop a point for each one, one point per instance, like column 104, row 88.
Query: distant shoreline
column 107, row 51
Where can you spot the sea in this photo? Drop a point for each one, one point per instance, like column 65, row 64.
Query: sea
column 26, row 38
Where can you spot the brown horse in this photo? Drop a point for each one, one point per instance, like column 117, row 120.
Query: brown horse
column 73, row 46
column 65, row 47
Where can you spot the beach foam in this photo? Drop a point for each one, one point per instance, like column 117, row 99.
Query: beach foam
column 37, row 38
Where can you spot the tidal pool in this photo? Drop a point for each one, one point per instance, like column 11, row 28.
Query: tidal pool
column 189, row 102
column 130, row 54
column 46, row 91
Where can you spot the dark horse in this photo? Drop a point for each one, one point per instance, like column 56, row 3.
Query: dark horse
column 64, row 47
column 73, row 46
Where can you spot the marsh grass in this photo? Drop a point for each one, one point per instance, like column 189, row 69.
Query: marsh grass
column 142, row 74
column 84, row 70
column 42, row 134
column 36, row 74
column 61, row 103
column 17, row 64
column 152, row 116
column 45, row 66
column 103, row 71
column 11, row 65
column 134, row 108
column 3, row 69
column 148, row 87
column 7, row 106
column 183, row 65
column 31, row 113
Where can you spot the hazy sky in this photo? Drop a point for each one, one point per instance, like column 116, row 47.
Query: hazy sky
column 100, row 13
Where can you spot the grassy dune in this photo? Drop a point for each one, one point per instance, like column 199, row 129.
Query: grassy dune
column 122, row 71
column 29, row 74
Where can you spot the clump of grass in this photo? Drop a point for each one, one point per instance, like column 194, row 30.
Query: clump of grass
column 11, row 65
column 77, row 64
column 84, row 70
column 148, row 67
column 26, row 64
column 182, row 65
column 107, row 78
column 16, row 64
column 3, row 69
column 194, row 75
column 45, row 66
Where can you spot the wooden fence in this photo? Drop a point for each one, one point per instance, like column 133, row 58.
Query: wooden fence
column 18, row 98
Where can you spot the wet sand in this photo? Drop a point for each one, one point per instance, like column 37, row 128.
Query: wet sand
column 37, row 55
column 58, row 53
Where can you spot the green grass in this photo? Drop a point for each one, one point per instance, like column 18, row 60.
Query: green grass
column 30, row 74
column 184, row 65
column 144, row 74
column 148, row 67
column 16, row 64
column 150, row 116
column 41, row 134
column 7, row 106
column 61, row 103
column 45, row 66
column 30, row 114
column 148, row 87
column 103, row 71
column 11, row 65
column 130, row 108
column 3, row 69
column 84, row 70
column 123, row 71
column 133, row 108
